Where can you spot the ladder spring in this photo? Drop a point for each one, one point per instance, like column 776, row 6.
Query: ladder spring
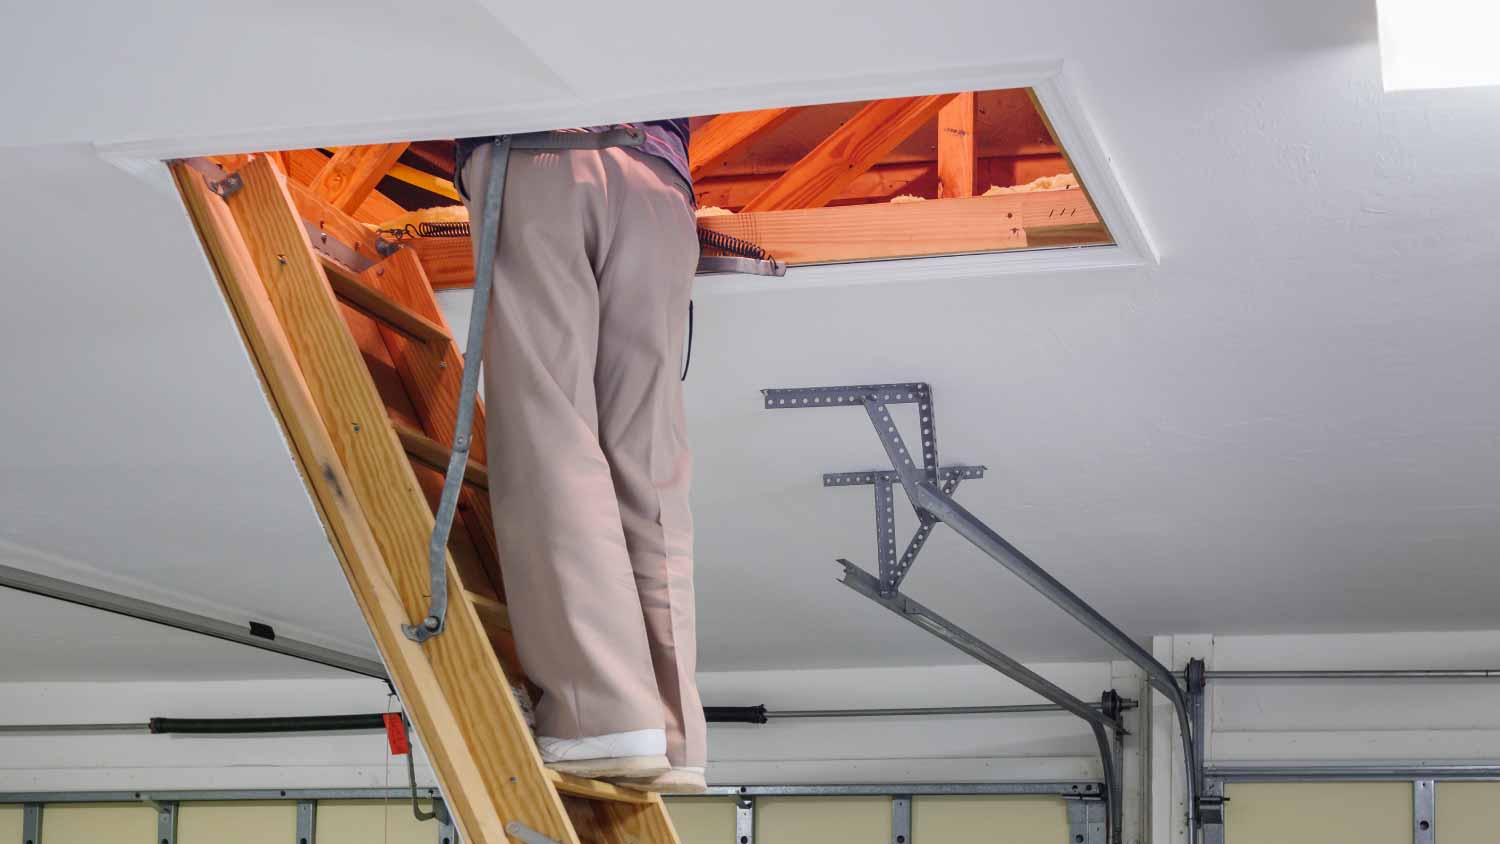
column 731, row 244
column 428, row 229
column 453, row 229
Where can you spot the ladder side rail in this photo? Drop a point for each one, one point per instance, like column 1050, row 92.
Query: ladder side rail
column 491, row 738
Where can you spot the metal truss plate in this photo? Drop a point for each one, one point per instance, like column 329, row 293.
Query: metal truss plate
column 797, row 397
column 946, row 473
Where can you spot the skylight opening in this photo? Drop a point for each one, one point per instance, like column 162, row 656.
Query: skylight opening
column 1430, row 44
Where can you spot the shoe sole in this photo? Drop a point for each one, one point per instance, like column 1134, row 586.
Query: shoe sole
column 616, row 766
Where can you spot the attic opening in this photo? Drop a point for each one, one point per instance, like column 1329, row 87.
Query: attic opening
column 907, row 177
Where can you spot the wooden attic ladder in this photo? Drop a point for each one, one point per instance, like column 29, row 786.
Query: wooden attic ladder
column 364, row 375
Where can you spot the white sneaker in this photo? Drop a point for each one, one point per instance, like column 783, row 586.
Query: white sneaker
column 636, row 753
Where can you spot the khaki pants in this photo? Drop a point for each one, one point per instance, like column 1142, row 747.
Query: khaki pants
column 588, row 454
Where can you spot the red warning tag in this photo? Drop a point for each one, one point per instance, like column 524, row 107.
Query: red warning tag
column 395, row 734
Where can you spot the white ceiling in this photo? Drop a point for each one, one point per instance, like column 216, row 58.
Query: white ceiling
column 49, row 640
column 1287, row 425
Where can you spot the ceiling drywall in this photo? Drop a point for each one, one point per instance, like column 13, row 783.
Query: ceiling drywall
column 44, row 639
column 1286, row 425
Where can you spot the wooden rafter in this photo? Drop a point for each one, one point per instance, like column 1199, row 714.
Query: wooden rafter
column 852, row 149
column 353, row 172
column 957, row 148
column 726, row 134
column 884, row 181
column 303, row 166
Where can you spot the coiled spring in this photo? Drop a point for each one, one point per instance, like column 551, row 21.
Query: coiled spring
column 429, row 229
column 731, row 244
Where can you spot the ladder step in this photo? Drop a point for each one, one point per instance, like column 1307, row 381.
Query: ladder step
column 348, row 287
column 595, row 789
column 492, row 611
column 430, row 452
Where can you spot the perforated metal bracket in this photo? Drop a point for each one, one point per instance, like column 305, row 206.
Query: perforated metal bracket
column 876, row 400
column 791, row 398
column 869, row 476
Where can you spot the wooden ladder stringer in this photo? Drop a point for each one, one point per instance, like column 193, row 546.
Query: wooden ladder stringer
column 337, row 363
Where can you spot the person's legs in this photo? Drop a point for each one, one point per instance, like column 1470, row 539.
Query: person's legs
column 645, row 283
column 568, row 575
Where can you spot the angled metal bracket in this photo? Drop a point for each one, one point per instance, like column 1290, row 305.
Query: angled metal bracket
column 893, row 570
column 220, row 182
column 725, row 264
column 227, row 186
column 875, row 398
column 918, row 471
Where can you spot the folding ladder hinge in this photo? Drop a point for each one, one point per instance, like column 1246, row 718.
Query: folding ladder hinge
column 227, row 186
column 526, row 835
column 386, row 248
column 222, row 183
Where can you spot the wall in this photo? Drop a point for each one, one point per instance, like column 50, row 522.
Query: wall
column 1289, row 723
column 930, row 749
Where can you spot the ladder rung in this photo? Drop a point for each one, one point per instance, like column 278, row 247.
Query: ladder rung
column 347, row 286
column 595, row 789
column 491, row 611
column 430, row 452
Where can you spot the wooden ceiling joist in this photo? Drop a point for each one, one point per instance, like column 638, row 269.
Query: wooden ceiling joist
column 852, row 149
column 449, row 261
column 881, row 230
